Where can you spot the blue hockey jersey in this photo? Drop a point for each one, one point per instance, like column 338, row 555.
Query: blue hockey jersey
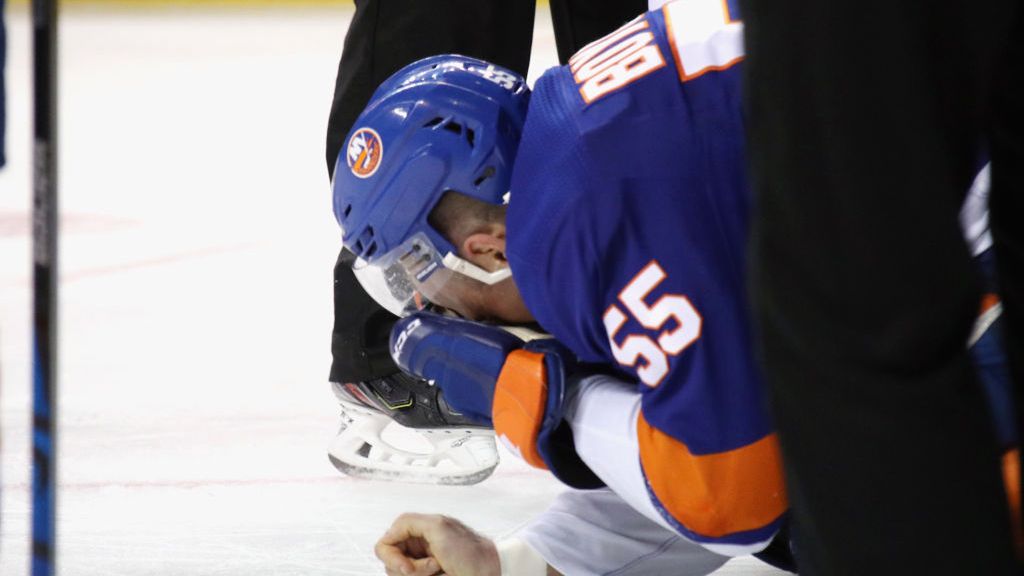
column 626, row 224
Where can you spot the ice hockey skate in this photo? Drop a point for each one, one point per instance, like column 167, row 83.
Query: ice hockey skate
column 399, row 428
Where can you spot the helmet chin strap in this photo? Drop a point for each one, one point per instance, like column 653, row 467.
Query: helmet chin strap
column 467, row 268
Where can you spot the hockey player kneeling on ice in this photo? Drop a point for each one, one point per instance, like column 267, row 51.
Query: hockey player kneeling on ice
column 613, row 213
column 394, row 426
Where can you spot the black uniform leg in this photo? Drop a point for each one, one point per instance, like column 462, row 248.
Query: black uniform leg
column 386, row 35
column 383, row 37
column 362, row 329
column 865, row 121
column 1007, row 202
column 580, row 22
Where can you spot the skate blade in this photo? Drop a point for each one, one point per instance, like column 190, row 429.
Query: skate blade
column 364, row 448
column 425, row 476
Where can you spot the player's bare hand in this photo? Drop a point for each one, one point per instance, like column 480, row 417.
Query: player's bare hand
column 427, row 544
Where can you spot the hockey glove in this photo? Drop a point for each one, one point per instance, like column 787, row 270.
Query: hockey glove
column 494, row 378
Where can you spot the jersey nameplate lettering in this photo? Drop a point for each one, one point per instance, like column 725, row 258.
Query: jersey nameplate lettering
column 604, row 66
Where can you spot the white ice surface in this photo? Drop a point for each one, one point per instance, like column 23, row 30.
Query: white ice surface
column 196, row 254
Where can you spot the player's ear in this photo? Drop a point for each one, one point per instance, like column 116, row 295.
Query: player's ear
column 486, row 249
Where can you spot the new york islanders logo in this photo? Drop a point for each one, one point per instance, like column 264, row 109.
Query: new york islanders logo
column 365, row 151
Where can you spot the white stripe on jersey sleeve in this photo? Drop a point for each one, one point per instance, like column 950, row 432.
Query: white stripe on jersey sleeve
column 974, row 214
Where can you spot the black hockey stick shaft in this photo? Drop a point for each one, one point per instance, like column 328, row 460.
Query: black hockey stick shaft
column 44, row 288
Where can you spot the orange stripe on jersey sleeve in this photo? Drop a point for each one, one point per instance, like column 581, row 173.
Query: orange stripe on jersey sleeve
column 671, row 34
column 716, row 494
column 718, row 68
column 728, row 13
column 520, row 399
column 1011, row 479
column 988, row 301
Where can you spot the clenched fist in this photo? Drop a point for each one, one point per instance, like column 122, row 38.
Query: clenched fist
column 428, row 544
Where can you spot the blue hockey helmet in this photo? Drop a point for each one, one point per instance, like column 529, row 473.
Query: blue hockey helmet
column 444, row 123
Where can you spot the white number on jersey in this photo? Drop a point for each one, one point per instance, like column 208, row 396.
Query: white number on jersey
column 653, row 317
